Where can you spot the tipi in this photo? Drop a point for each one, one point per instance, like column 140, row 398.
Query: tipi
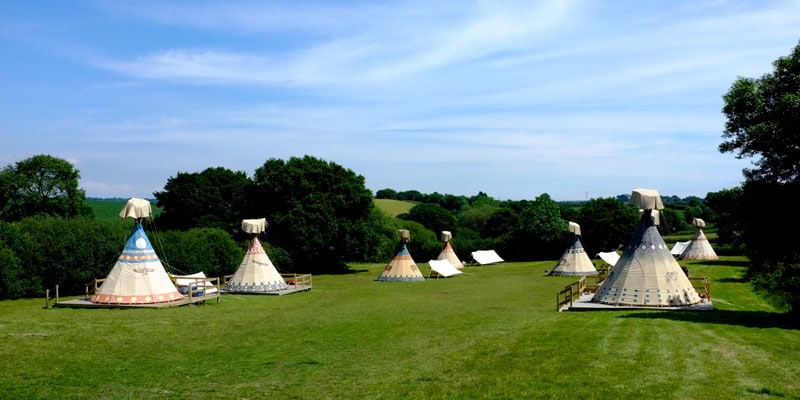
column 699, row 248
column 402, row 266
column 138, row 277
column 574, row 261
column 448, row 253
column 256, row 273
column 646, row 274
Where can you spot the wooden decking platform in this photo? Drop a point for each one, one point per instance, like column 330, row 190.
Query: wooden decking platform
column 584, row 303
column 296, row 282
column 85, row 302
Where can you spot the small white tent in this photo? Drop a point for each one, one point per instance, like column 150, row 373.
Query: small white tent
column 402, row 266
column 484, row 257
column 443, row 268
column 679, row 247
column 699, row 248
column 448, row 253
column 574, row 261
column 646, row 274
column 256, row 273
column 138, row 277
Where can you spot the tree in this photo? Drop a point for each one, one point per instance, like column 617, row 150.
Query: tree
column 213, row 198
column 727, row 205
column 386, row 194
column 317, row 211
column 41, row 185
column 433, row 217
column 541, row 232
column 763, row 121
column 606, row 224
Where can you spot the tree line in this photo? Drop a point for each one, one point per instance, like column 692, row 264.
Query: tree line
column 321, row 215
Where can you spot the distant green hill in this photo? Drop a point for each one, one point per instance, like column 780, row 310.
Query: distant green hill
column 394, row 207
column 108, row 209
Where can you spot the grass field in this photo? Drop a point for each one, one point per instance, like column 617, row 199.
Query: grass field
column 490, row 333
column 394, row 207
column 108, row 209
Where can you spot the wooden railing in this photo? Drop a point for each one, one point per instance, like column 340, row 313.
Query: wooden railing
column 702, row 286
column 91, row 287
column 295, row 281
column 198, row 288
column 50, row 294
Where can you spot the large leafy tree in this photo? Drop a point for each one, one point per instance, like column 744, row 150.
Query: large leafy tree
column 606, row 224
column 540, row 232
column 763, row 122
column 41, row 185
column 318, row 211
column 213, row 198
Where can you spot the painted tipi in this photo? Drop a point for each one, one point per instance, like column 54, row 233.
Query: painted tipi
column 646, row 274
column 256, row 273
column 402, row 266
column 448, row 253
column 699, row 248
column 574, row 261
column 138, row 277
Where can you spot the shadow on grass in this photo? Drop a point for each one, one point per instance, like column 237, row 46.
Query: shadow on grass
column 750, row 319
column 724, row 263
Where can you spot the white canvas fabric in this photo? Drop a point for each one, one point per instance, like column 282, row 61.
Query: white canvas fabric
column 484, row 257
column 574, row 261
column 646, row 199
column 138, row 277
column 136, row 208
column 256, row 273
column 401, row 267
column 254, row 225
column 679, row 247
column 443, row 268
column 573, row 227
column 646, row 274
column 698, row 222
column 699, row 248
column 610, row 257
column 192, row 280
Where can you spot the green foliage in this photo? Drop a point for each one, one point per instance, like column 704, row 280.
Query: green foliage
column 606, row 224
column 108, row 209
column 540, row 233
column 387, row 193
column 213, row 198
column 672, row 221
column 763, row 121
column 727, row 204
column 433, row 217
column 209, row 250
column 41, row 185
column 775, row 268
column 317, row 211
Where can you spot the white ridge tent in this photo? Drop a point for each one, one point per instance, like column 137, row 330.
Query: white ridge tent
column 679, row 247
column 484, row 257
column 574, row 261
column 448, row 253
column 609, row 257
column 699, row 248
column 402, row 266
column 256, row 273
column 138, row 277
column 646, row 274
column 443, row 268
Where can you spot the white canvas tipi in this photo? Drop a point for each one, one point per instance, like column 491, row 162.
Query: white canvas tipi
column 699, row 248
column 574, row 261
column 138, row 277
column 448, row 253
column 256, row 273
column 402, row 266
column 646, row 274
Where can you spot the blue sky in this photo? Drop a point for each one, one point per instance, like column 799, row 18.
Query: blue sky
column 515, row 99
